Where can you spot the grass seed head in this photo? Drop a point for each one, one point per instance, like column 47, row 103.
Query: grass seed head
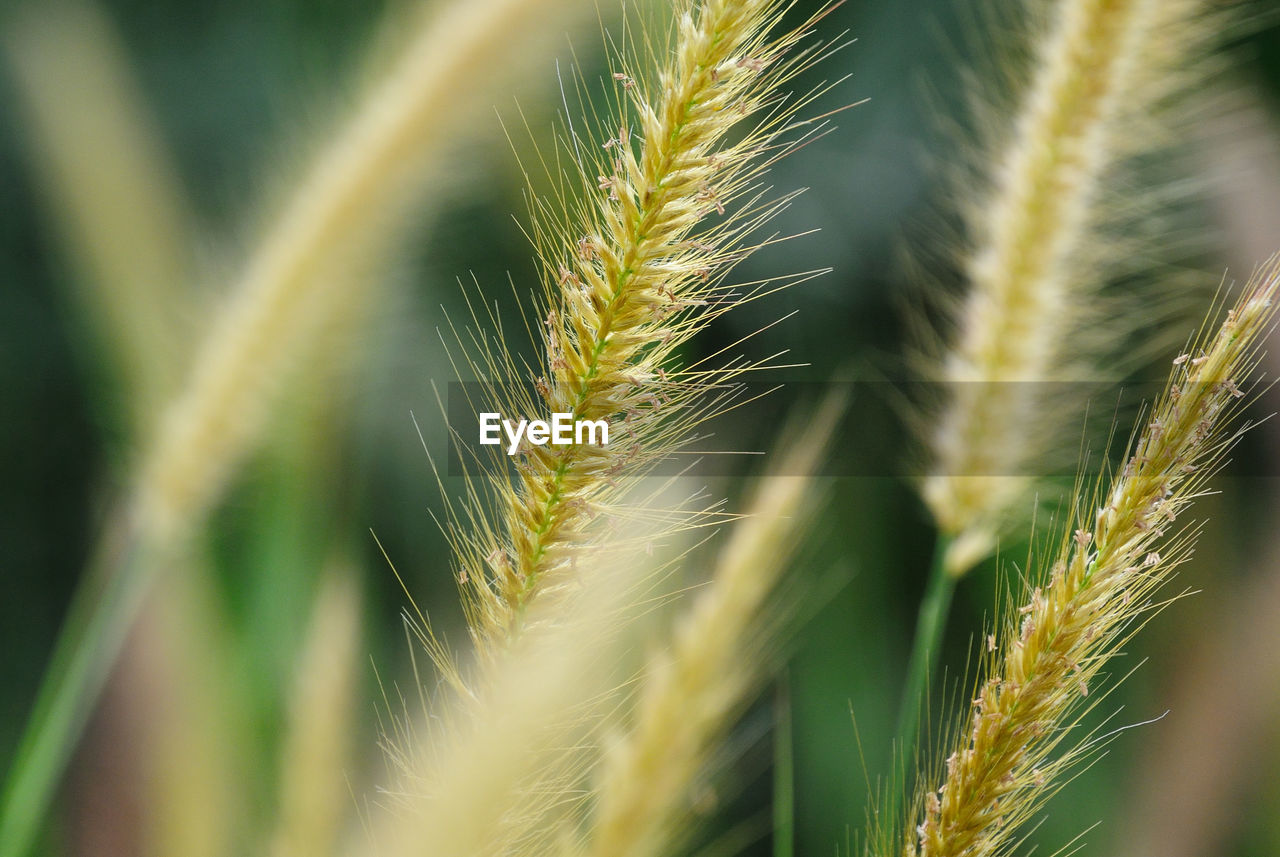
column 1121, row 547
column 632, row 269
column 1043, row 239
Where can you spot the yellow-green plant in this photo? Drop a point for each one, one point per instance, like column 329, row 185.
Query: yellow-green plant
column 312, row 786
column 1117, row 549
column 307, row 271
column 304, row 278
column 550, row 753
column 1042, row 240
column 558, row 743
column 631, row 272
column 1040, row 253
column 690, row 691
column 120, row 210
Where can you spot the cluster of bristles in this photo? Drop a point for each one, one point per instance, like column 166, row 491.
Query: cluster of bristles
column 632, row 272
column 1044, row 238
column 1100, row 583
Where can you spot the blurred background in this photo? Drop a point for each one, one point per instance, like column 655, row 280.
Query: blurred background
column 226, row 102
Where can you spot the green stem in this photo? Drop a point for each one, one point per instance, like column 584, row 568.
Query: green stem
column 97, row 623
column 784, row 777
column 930, row 625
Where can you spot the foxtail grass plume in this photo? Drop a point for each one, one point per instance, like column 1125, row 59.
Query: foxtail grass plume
column 305, row 275
column 691, row 690
column 500, row 771
column 1040, row 254
column 632, row 271
column 113, row 190
column 306, row 271
column 1113, row 556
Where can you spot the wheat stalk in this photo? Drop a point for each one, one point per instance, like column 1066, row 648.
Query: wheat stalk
column 630, row 275
column 1097, row 587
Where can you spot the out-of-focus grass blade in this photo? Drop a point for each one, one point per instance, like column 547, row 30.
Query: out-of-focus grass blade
column 112, row 191
column 95, row 627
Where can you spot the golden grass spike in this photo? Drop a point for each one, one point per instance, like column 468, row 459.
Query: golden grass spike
column 1098, row 586
column 630, row 275
column 303, row 274
column 1036, row 266
column 690, row 693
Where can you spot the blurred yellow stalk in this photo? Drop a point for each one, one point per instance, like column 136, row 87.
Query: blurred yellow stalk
column 113, row 193
column 313, row 790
